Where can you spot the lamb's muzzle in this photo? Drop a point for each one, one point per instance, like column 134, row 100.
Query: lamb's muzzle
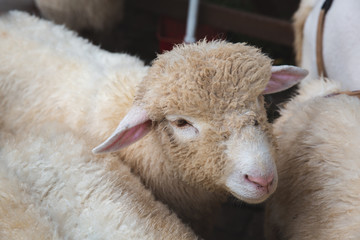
column 253, row 177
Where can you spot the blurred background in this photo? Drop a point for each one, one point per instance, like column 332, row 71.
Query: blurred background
column 145, row 28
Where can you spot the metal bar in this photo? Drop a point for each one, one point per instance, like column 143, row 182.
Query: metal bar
column 191, row 21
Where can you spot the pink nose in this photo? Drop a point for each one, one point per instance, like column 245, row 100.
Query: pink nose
column 263, row 182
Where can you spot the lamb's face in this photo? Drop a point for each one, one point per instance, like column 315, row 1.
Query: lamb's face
column 231, row 153
column 253, row 176
column 207, row 105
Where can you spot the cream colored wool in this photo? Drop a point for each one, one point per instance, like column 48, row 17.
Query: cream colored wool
column 49, row 74
column 318, row 195
column 19, row 219
column 68, row 74
column 84, row 196
column 83, row 14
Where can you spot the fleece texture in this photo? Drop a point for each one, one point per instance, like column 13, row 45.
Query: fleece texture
column 49, row 74
column 20, row 219
column 318, row 165
column 68, row 75
column 56, row 189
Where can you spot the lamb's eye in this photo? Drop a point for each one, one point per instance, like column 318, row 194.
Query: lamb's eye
column 180, row 123
column 183, row 129
column 256, row 123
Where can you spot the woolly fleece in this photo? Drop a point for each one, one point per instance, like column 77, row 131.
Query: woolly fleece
column 82, row 196
column 61, row 77
column 318, row 164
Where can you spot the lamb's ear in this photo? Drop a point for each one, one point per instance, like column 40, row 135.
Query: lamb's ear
column 134, row 126
column 284, row 77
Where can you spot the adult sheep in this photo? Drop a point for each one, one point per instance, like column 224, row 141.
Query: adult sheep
column 56, row 189
column 341, row 35
column 318, row 164
column 199, row 109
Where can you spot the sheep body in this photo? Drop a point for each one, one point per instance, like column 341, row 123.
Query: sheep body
column 225, row 145
column 341, row 25
column 318, row 164
column 83, row 196
column 77, row 76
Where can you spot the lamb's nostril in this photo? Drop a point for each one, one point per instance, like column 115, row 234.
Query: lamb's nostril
column 262, row 181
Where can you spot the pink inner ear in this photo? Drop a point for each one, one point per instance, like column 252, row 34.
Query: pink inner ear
column 284, row 77
column 133, row 127
column 280, row 82
column 127, row 137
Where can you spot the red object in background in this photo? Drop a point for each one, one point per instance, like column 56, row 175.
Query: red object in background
column 171, row 31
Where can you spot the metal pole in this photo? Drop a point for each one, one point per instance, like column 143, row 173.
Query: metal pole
column 191, row 21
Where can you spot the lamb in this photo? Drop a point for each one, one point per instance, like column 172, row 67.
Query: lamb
column 76, row 195
column 318, row 166
column 98, row 15
column 198, row 110
column 340, row 26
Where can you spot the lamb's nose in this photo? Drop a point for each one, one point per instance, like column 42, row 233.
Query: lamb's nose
column 262, row 181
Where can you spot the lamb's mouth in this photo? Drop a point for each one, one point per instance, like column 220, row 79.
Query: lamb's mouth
column 253, row 194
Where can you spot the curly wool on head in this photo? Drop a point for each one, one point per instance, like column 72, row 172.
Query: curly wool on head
column 225, row 76
column 214, row 82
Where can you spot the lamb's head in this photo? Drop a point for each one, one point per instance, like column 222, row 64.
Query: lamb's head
column 204, row 104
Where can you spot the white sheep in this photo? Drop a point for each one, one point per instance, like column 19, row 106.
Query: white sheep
column 198, row 109
column 83, row 14
column 74, row 194
column 341, row 35
column 318, row 195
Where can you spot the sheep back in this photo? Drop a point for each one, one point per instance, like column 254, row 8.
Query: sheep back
column 82, row 196
column 318, row 194
column 49, row 73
